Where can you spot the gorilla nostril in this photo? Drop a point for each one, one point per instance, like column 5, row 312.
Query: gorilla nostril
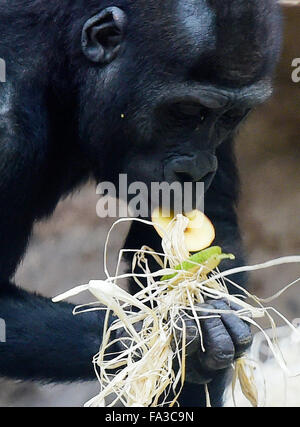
column 187, row 177
column 184, row 177
column 207, row 176
column 191, row 169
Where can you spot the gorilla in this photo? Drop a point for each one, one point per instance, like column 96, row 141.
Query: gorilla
column 155, row 89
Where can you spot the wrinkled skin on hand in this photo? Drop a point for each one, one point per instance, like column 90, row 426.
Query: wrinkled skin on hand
column 225, row 338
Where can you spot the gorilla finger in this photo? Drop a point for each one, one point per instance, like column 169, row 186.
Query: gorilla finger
column 239, row 330
column 219, row 348
column 193, row 339
column 192, row 335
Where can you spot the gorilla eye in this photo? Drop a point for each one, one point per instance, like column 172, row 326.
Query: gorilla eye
column 188, row 114
column 189, row 109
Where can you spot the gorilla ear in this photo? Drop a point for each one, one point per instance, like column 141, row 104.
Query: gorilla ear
column 102, row 35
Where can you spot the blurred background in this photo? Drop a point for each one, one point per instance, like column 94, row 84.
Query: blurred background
column 68, row 249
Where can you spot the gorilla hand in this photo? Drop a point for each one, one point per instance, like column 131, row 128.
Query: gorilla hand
column 225, row 338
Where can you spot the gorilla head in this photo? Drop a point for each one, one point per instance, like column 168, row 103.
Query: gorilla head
column 168, row 81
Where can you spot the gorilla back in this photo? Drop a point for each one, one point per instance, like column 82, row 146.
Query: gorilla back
column 184, row 74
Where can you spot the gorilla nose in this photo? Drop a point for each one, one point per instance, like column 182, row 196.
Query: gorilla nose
column 196, row 168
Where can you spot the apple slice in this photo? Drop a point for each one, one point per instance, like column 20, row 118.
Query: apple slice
column 199, row 233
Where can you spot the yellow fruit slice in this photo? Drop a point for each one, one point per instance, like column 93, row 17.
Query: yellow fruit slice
column 199, row 234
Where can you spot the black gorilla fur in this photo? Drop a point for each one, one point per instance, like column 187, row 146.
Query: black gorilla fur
column 60, row 125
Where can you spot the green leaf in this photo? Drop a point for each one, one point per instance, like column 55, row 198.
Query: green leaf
column 200, row 258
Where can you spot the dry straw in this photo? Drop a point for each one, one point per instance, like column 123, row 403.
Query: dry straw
column 142, row 373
